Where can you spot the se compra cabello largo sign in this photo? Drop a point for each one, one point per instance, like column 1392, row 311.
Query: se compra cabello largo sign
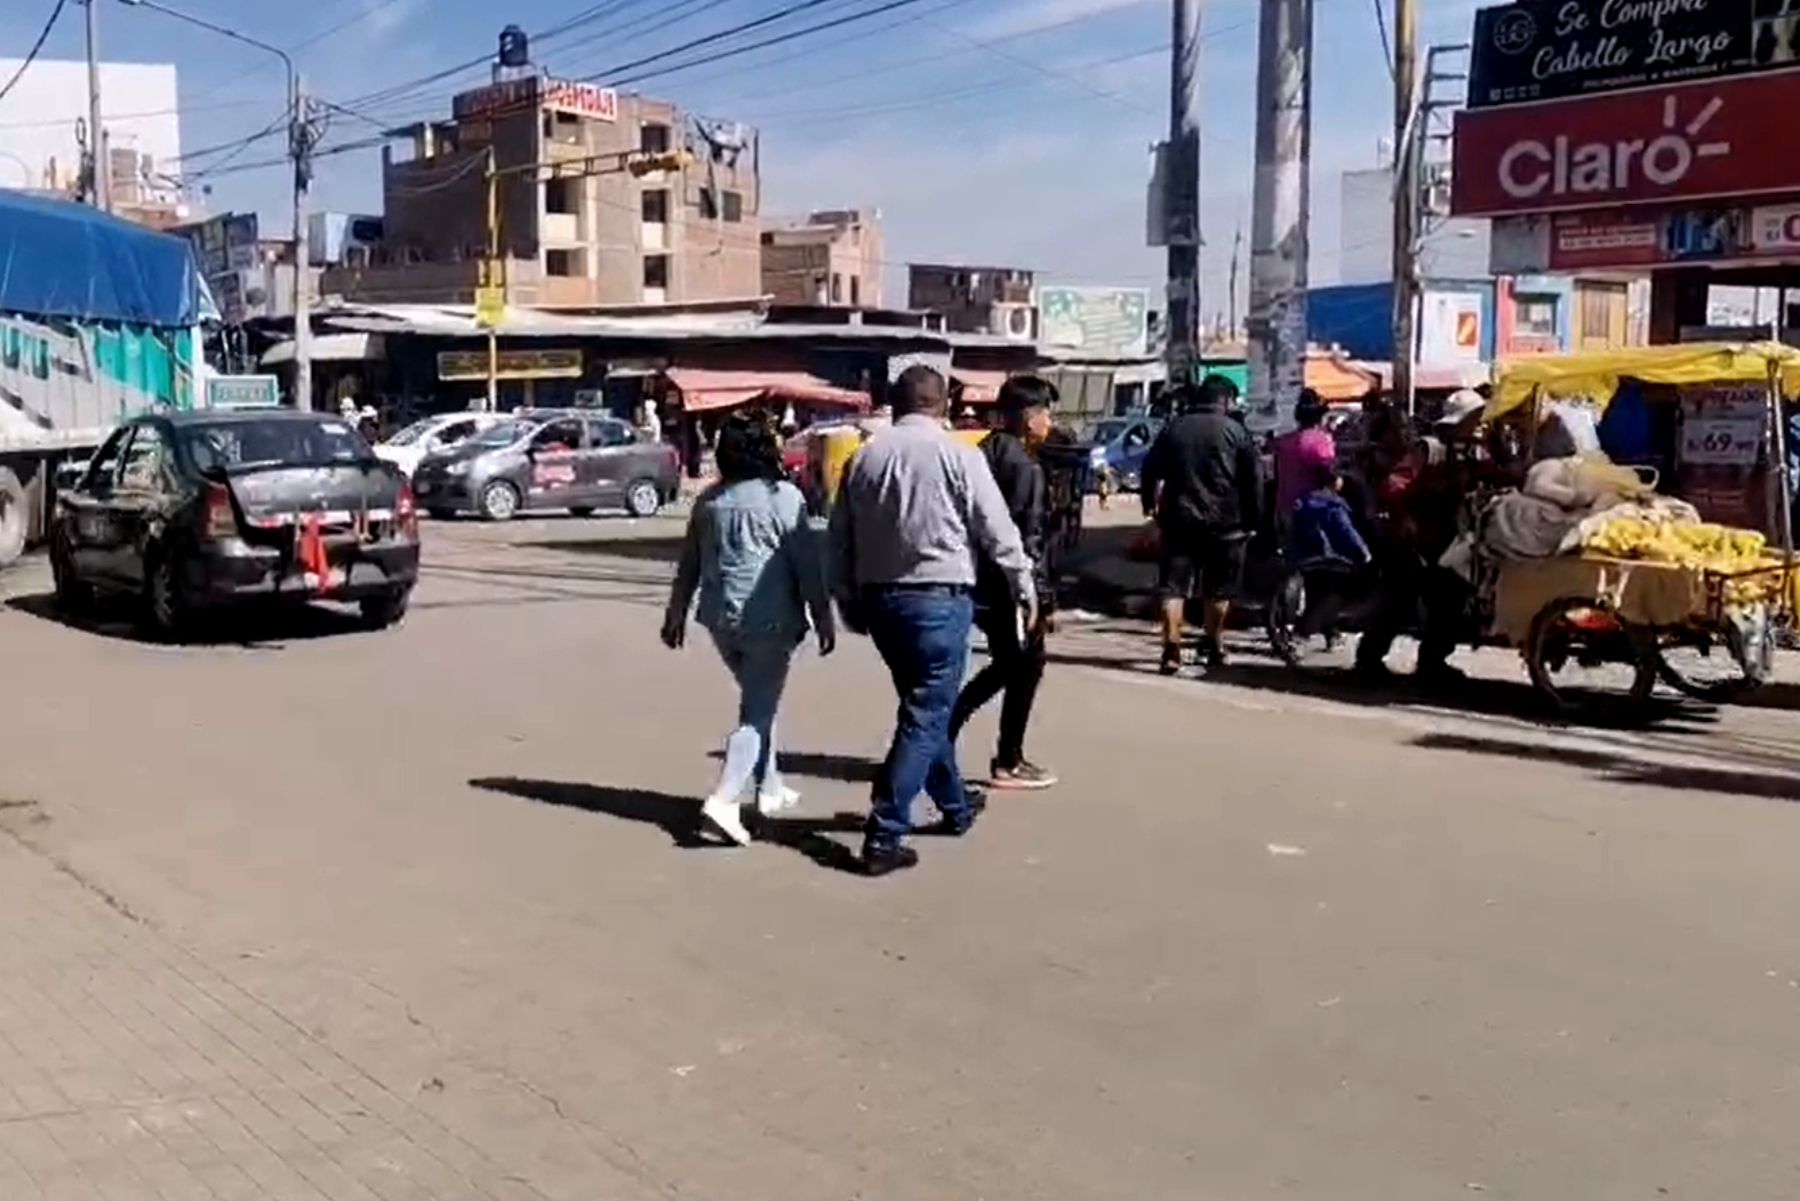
column 1551, row 49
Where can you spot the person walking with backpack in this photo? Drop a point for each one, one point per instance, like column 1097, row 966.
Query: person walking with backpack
column 1016, row 654
column 754, row 561
column 915, row 510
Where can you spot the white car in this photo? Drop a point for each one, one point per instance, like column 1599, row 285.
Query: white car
column 429, row 435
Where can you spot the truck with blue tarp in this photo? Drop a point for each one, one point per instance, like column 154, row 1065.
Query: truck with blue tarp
column 99, row 321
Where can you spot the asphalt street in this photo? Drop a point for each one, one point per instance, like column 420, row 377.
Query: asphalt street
column 309, row 912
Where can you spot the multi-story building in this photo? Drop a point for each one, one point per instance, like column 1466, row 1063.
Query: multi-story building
column 832, row 259
column 977, row 300
column 583, row 221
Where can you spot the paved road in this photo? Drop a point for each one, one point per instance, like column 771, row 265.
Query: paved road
column 327, row 914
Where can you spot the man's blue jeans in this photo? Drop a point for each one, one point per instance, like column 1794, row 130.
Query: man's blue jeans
column 923, row 635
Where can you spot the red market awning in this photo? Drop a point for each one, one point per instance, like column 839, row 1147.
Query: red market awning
column 703, row 390
column 978, row 387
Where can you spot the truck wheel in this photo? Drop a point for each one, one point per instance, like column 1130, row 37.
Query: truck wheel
column 15, row 519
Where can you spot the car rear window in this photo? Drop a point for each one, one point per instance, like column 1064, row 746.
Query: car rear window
column 241, row 445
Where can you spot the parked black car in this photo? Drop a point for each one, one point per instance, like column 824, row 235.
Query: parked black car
column 574, row 459
column 193, row 511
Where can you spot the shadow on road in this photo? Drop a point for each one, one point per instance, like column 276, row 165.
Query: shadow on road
column 679, row 817
column 261, row 627
column 1619, row 769
column 658, row 550
column 1254, row 668
column 848, row 769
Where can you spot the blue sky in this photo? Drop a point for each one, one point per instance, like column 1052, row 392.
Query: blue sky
column 1004, row 131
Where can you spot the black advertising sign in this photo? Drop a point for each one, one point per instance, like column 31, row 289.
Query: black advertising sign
column 1550, row 49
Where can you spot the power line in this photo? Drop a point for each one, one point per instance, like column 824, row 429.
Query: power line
column 780, row 14
column 777, row 40
column 31, row 55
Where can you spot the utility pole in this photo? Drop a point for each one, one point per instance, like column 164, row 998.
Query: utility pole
column 1182, row 199
column 1279, row 241
column 100, row 176
column 1409, row 158
column 300, row 139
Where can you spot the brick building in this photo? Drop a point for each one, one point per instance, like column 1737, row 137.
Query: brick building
column 583, row 230
column 832, row 259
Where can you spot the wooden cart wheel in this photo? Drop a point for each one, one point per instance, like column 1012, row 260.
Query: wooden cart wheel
column 1587, row 663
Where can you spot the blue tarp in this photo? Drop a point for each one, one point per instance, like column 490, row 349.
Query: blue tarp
column 1357, row 317
column 60, row 259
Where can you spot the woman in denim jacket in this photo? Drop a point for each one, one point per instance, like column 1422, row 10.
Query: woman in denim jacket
column 755, row 562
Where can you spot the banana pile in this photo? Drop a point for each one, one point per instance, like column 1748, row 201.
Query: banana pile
column 1698, row 545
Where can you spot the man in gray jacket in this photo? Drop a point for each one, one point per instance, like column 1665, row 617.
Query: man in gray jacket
column 915, row 509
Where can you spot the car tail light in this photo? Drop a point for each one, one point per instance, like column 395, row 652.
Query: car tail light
column 217, row 521
column 406, row 512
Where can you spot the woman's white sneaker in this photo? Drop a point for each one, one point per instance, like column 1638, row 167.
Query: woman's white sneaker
column 726, row 820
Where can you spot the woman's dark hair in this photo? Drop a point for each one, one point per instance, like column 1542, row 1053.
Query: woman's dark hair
column 1309, row 410
column 747, row 448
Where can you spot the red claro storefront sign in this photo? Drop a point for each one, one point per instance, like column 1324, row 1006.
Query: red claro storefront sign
column 1730, row 137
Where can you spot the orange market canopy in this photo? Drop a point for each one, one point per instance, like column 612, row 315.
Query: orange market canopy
column 704, row 390
column 1337, row 380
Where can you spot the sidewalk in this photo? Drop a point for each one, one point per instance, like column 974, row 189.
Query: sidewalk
column 131, row 1070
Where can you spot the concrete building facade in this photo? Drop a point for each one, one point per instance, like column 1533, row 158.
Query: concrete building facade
column 832, row 259
column 582, row 230
column 977, row 300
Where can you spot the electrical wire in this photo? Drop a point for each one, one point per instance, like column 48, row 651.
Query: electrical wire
column 1387, row 47
column 776, row 40
column 37, row 46
column 780, row 14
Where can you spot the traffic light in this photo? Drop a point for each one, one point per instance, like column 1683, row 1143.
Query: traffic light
column 641, row 164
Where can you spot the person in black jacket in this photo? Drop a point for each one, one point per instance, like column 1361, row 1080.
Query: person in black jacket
column 1202, row 482
column 1016, row 655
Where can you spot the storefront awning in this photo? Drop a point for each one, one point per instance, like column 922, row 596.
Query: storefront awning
column 978, row 387
column 704, row 390
column 329, row 348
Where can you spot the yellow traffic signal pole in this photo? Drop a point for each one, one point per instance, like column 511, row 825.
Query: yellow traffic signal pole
column 494, row 271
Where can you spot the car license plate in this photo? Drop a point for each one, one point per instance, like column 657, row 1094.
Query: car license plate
column 422, row 487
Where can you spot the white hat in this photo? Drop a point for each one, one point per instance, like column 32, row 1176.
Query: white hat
column 1461, row 408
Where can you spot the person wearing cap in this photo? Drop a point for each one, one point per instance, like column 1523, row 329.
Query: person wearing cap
column 1016, row 655
column 1202, row 482
column 1424, row 497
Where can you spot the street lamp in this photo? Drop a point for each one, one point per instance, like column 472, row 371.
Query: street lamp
column 300, row 150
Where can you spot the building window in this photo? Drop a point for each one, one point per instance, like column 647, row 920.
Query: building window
column 726, row 204
column 656, row 271
column 856, row 291
column 837, row 288
column 656, row 207
column 653, row 138
column 1536, row 316
column 563, row 263
column 562, row 196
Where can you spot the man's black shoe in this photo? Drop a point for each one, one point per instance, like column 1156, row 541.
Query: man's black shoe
column 948, row 827
column 884, row 861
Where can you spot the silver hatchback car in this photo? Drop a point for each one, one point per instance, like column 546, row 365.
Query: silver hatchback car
column 572, row 459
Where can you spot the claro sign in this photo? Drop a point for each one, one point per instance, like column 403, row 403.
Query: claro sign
column 1695, row 141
